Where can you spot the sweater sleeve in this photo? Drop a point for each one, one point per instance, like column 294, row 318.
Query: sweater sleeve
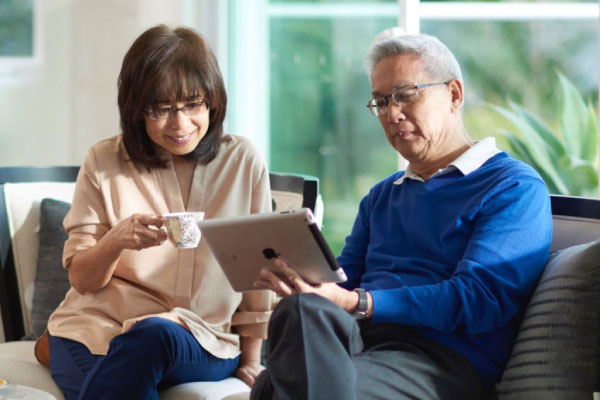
column 501, row 264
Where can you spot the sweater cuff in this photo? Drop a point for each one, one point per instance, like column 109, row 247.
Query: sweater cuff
column 389, row 305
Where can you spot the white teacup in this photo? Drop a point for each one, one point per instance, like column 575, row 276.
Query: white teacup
column 182, row 228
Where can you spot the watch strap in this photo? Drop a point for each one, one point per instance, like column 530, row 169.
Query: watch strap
column 363, row 304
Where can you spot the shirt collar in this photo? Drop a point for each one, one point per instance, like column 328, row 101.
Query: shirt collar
column 466, row 163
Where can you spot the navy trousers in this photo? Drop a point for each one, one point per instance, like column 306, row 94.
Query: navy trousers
column 316, row 350
column 155, row 354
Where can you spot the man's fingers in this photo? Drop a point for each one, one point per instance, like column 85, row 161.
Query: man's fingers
column 270, row 280
column 286, row 270
column 294, row 279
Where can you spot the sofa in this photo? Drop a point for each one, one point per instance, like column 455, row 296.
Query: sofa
column 33, row 202
column 556, row 353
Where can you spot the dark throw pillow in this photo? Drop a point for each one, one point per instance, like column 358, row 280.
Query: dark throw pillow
column 51, row 280
column 557, row 351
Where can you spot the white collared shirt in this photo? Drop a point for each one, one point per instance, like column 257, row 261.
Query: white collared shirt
column 466, row 163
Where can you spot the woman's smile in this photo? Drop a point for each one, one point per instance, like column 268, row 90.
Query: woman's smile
column 180, row 139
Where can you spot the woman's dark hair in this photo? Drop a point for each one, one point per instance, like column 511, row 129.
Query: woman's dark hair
column 166, row 64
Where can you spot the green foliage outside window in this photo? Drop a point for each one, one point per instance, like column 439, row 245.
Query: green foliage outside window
column 567, row 156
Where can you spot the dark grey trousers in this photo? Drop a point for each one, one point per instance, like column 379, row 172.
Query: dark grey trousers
column 316, row 350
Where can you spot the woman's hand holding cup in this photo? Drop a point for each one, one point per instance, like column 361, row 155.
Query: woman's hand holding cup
column 139, row 231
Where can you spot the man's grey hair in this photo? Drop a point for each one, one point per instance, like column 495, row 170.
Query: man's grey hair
column 438, row 60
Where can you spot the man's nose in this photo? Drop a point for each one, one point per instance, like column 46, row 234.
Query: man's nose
column 395, row 112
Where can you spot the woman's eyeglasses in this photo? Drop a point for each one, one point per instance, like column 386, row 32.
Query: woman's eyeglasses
column 189, row 110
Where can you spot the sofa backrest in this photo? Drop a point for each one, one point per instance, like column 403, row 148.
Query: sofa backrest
column 576, row 220
column 292, row 191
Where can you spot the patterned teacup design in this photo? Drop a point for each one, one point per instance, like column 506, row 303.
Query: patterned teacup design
column 182, row 228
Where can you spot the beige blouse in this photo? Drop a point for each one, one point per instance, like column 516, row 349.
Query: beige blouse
column 183, row 285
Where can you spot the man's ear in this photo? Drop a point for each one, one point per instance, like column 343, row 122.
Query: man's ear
column 456, row 91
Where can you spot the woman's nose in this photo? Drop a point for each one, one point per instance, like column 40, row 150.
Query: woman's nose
column 178, row 119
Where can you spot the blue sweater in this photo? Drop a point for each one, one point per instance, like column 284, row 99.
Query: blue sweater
column 455, row 257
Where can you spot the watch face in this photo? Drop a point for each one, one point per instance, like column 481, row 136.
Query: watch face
column 360, row 315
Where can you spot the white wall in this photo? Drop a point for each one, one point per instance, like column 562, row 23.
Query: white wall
column 68, row 101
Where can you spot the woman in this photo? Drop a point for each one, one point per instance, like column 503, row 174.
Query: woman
column 143, row 315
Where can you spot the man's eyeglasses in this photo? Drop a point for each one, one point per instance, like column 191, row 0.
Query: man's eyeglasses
column 402, row 97
column 190, row 110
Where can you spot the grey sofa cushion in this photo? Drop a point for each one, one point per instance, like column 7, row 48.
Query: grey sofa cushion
column 557, row 351
column 51, row 280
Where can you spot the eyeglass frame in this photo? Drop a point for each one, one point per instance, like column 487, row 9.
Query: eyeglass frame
column 173, row 110
column 371, row 106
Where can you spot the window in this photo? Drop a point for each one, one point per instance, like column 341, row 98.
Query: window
column 16, row 28
column 519, row 49
column 18, row 50
column 318, row 123
column 298, row 86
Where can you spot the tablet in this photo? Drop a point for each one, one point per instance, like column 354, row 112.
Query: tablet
column 244, row 245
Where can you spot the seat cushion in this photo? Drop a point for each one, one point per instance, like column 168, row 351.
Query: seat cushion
column 238, row 396
column 556, row 352
column 18, row 365
column 233, row 387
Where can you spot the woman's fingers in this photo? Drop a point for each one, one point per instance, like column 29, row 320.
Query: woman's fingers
column 151, row 235
column 245, row 376
column 149, row 220
column 140, row 231
column 146, row 236
column 248, row 374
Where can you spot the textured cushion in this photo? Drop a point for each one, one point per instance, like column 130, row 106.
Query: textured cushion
column 51, row 279
column 557, row 351
column 23, row 208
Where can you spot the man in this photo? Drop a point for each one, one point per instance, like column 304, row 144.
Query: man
column 441, row 259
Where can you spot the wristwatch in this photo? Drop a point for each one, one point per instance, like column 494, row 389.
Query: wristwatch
column 363, row 304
